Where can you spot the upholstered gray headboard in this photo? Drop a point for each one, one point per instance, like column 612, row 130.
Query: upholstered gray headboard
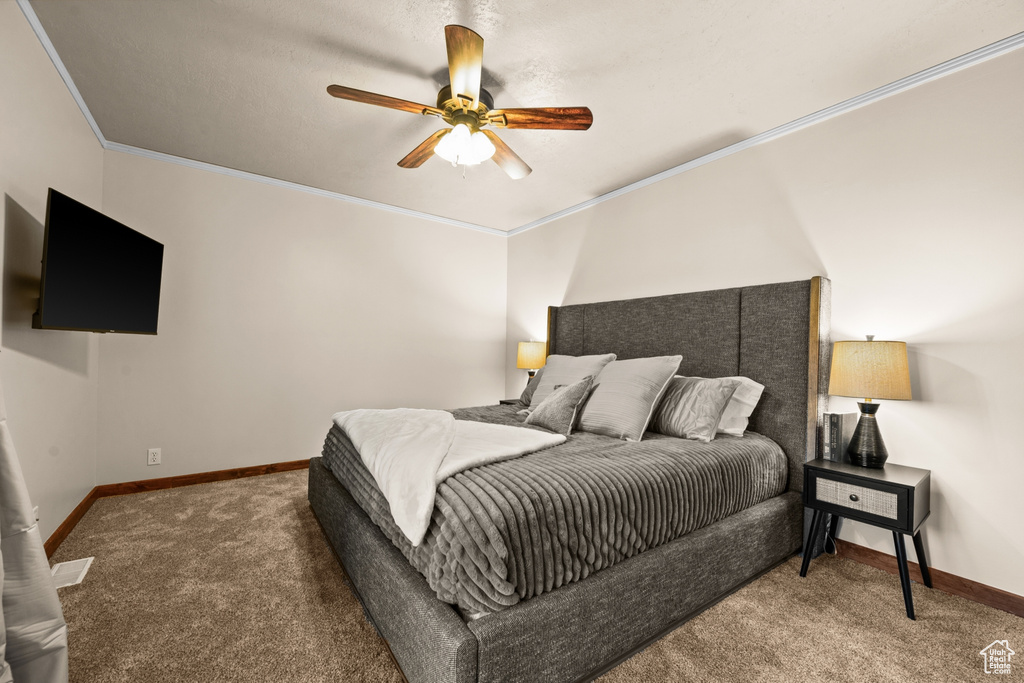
column 776, row 334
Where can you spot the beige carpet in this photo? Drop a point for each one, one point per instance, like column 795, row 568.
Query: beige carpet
column 234, row 581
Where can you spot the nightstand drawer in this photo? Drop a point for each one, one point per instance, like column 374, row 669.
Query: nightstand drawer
column 874, row 502
column 895, row 497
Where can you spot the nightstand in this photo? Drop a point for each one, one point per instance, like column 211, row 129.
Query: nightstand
column 508, row 401
column 893, row 497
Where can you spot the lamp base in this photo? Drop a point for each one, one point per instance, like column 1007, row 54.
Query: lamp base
column 866, row 447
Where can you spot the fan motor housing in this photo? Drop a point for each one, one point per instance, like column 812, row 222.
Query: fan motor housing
column 455, row 112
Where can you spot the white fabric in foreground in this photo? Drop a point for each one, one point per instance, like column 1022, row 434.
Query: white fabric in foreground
column 410, row 451
column 33, row 635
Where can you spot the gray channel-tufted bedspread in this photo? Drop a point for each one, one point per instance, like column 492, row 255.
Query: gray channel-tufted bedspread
column 511, row 530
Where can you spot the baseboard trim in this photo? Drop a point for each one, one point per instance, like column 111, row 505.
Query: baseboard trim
column 61, row 532
column 943, row 581
column 129, row 487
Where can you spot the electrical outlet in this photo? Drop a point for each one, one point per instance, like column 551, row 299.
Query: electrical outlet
column 154, row 456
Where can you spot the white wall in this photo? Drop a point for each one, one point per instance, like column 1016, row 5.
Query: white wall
column 913, row 206
column 278, row 309
column 49, row 377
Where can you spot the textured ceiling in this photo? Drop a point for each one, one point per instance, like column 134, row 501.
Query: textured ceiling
column 241, row 83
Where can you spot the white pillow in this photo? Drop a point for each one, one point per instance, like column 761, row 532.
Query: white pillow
column 741, row 405
column 565, row 370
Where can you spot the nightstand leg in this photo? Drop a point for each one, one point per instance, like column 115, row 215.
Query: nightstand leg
column 809, row 543
column 901, row 560
column 919, row 549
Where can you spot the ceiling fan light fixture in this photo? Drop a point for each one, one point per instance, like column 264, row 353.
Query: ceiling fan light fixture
column 469, row 107
column 460, row 146
column 483, row 148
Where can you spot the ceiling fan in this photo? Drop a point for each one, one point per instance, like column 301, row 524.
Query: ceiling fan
column 469, row 108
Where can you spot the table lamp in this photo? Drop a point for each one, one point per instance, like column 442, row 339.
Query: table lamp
column 869, row 370
column 532, row 356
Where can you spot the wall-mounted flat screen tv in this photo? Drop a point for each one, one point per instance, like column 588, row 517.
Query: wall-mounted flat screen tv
column 98, row 275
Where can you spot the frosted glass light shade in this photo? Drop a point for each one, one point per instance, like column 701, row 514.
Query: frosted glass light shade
column 870, row 369
column 532, row 355
column 459, row 146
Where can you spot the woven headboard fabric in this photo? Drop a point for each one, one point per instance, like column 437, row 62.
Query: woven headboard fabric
column 775, row 334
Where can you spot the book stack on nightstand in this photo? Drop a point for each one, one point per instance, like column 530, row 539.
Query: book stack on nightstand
column 836, row 432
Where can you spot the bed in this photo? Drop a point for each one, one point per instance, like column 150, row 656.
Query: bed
column 582, row 622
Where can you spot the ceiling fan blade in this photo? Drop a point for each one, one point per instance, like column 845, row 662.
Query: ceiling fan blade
column 382, row 100
column 508, row 160
column 465, row 62
column 551, row 118
column 424, row 151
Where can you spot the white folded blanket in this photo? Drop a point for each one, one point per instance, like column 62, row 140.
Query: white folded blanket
column 410, row 451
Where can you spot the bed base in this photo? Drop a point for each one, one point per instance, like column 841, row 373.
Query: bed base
column 574, row 633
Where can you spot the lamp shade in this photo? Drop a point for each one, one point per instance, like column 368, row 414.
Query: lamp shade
column 532, row 355
column 870, row 369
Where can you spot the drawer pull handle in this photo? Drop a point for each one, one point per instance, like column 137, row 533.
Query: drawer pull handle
column 854, row 497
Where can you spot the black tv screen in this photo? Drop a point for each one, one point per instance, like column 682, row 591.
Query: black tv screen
column 98, row 275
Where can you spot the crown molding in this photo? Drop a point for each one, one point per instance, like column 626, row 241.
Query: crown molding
column 938, row 71
column 37, row 27
column 982, row 54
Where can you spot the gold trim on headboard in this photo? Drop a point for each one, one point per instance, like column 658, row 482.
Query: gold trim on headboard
column 818, row 356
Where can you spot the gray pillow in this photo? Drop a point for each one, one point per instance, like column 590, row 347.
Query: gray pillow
column 531, row 386
column 559, row 410
column 625, row 394
column 692, row 407
column 567, row 370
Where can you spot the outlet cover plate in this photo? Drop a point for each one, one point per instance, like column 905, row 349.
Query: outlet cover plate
column 154, row 456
